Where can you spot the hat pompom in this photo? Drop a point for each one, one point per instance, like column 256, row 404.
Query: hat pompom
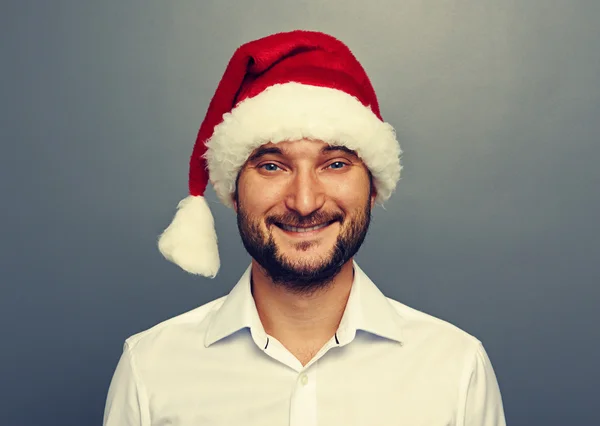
column 190, row 241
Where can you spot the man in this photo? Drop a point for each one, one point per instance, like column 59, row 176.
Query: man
column 294, row 142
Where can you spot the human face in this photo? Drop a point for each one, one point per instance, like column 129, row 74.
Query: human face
column 303, row 210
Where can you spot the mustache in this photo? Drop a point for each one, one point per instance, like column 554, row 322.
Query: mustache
column 313, row 219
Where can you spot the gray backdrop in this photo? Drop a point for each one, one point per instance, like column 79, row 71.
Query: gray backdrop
column 494, row 226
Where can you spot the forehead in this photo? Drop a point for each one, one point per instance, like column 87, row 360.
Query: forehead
column 303, row 148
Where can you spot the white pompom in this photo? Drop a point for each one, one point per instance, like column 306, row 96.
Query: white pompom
column 190, row 241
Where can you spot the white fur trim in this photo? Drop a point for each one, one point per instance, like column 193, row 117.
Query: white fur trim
column 294, row 111
column 190, row 241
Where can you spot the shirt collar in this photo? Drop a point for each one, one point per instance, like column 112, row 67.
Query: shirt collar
column 367, row 309
column 238, row 311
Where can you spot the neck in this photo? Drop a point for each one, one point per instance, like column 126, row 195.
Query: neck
column 310, row 319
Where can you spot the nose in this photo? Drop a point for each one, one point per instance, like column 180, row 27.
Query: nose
column 305, row 193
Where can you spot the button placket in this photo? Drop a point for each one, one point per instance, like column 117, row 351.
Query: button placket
column 304, row 399
column 304, row 379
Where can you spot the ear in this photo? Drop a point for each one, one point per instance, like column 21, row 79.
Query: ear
column 234, row 195
column 373, row 192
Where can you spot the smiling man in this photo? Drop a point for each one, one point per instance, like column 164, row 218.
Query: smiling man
column 303, row 211
column 294, row 142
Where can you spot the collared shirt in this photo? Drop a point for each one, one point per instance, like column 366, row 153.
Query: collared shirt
column 387, row 364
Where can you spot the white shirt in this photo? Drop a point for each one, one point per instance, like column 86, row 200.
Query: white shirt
column 387, row 364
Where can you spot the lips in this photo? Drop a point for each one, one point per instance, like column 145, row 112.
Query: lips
column 299, row 229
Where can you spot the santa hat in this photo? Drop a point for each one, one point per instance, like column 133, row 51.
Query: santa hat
column 287, row 86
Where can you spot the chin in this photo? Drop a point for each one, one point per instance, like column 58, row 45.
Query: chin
column 305, row 253
column 305, row 264
column 306, row 260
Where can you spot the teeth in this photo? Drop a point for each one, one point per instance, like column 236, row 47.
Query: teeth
column 294, row 229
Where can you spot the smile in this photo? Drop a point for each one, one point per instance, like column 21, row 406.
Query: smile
column 303, row 230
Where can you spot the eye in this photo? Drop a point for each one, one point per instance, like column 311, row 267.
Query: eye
column 337, row 165
column 269, row 167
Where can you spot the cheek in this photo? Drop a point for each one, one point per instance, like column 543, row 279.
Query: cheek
column 256, row 195
column 350, row 193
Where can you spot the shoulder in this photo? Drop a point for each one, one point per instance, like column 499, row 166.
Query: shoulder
column 425, row 329
column 191, row 324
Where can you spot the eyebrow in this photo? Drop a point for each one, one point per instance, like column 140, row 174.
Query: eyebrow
column 330, row 148
column 262, row 151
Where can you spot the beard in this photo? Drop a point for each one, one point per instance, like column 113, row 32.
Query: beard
column 308, row 276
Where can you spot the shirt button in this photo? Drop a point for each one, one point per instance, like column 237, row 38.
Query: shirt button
column 304, row 379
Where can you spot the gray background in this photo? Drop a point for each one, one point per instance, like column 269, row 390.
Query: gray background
column 493, row 226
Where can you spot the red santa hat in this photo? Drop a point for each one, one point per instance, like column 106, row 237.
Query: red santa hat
column 284, row 87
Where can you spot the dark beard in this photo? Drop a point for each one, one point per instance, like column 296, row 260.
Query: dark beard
column 298, row 278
